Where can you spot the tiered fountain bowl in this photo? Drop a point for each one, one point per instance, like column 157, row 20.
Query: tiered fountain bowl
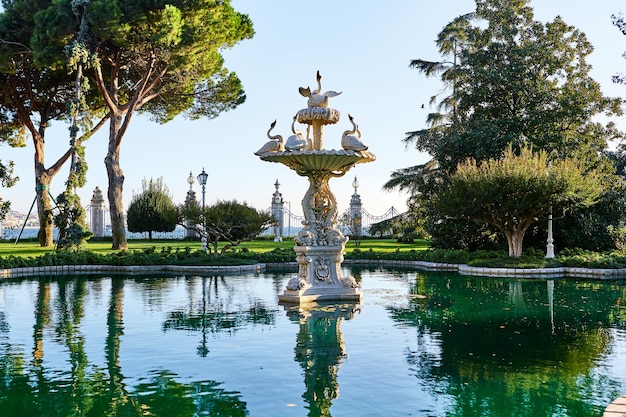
column 320, row 245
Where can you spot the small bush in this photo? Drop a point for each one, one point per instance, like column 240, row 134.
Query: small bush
column 586, row 259
column 276, row 255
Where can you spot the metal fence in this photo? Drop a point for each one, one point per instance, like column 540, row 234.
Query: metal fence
column 292, row 224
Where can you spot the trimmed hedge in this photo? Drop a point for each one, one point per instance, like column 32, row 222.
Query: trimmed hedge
column 187, row 256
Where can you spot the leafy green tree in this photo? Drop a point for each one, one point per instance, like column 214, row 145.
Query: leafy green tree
column 71, row 219
column 620, row 23
column 602, row 226
column 227, row 221
column 517, row 81
column 599, row 227
column 511, row 81
column 71, row 222
column 160, row 58
column 354, row 224
column 6, row 180
column 513, row 192
column 152, row 210
column 35, row 91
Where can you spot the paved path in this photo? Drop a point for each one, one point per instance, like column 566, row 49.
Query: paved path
column 617, row 408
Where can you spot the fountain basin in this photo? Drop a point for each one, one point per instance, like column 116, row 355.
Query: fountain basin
column 331, row 160
column 323, row 115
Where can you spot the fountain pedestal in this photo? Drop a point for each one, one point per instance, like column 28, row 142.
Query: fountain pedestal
column 320, row 245
column 319, row 277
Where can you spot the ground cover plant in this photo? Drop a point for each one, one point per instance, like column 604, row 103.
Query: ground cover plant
column 184, row 252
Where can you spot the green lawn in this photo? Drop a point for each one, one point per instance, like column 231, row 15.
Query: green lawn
column 32, row 249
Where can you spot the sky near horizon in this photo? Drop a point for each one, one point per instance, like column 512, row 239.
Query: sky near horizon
column 362, row 49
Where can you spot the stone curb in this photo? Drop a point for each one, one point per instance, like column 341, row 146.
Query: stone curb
column 126, row 269
column 462, row 269
column 561, row 272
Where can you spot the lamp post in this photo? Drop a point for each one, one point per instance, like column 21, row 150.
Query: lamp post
column 202, row 177
column 550, row 245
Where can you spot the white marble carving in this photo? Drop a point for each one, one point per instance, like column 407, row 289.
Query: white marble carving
column 275, row 143
column 320, row 244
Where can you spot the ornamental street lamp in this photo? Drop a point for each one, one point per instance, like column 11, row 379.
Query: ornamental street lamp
column 202, row 177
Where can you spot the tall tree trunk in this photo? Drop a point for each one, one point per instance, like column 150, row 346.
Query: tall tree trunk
column 116, row 188
column 42, row 185
column 515, row 239
column 43, row 179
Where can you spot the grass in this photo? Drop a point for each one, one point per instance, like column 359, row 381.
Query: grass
column 31, row 248
column 185, row 252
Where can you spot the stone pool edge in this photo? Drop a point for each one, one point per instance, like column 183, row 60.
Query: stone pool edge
column 123, row 269
column 463, row 269
column 560, row 272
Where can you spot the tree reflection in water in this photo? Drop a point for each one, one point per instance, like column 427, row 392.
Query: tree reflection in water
column 427, row 344
column 215, row 312
column 37, row 388
column 512, row 347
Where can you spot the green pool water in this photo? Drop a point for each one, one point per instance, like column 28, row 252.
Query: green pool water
column 419, row 344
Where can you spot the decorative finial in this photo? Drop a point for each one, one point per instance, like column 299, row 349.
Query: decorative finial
column 190, row 180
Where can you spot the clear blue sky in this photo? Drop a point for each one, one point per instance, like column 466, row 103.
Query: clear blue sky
column 362, row 49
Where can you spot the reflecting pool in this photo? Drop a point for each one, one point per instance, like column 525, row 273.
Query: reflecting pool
column 419, row 344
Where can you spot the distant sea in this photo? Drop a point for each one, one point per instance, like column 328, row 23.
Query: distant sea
column 11, row 233
column 31, row 232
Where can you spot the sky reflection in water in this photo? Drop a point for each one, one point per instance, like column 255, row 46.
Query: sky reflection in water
column 419, row 344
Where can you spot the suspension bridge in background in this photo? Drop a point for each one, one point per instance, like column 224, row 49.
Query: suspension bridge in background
column 292, row 223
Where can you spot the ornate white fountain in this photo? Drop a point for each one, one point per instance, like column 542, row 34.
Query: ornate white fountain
column 320, row 244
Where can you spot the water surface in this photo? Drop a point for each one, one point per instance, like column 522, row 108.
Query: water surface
column 419, row 344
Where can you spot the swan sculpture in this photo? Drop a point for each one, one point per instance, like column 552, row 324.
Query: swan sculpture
column 297, row 141
column 275, row 143
column 316, row 98
column 349, row 142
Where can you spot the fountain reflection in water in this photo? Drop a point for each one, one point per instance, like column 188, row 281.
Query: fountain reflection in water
column 319, row 350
